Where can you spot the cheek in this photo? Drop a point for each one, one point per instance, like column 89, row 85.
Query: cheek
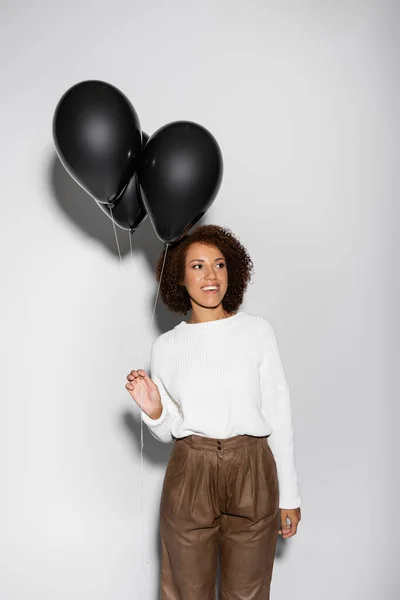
column 192, row 277
column 224, row 276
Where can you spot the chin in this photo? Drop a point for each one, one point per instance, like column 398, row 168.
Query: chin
column 213, row 303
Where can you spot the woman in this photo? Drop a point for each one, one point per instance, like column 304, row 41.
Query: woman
column 218, row 391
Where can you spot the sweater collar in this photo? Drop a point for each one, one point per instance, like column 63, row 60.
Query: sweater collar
column 216, row 325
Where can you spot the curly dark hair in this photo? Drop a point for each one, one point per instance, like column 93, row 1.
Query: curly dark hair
column 238, row 262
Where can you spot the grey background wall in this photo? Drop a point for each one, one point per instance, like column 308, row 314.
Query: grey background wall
column 302, row 97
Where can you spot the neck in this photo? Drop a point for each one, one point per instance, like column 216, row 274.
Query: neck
column 204, row 315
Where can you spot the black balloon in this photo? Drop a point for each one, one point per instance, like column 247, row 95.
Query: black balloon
column 145, row 139
column 98, row 139
column 180, row 172
column 129, row 211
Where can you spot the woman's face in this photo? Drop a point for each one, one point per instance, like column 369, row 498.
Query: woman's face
column 205, row 266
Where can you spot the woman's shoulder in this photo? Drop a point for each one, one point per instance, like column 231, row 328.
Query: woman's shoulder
column 165, row 339
column 260, row 321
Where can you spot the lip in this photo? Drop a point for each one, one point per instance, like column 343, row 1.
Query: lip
column 211, row 291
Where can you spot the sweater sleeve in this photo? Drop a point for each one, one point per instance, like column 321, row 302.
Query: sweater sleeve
column 277, row 409
column 161, row 428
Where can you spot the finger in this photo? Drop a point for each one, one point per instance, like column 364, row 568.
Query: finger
column 142, row 373
column 148, row 381
column 133, row 382
column 135, row 373
column 135, row 385
column 133, row 378
column 292, row 531
column 284, row 527
column 294, row 518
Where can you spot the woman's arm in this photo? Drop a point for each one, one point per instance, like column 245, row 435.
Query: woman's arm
column 277, row 409
column 160, row 428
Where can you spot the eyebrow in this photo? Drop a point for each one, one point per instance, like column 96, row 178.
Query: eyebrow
column 201, row 260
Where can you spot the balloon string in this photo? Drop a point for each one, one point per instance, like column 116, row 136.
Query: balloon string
column 131, row 232
column 116, row 236
column 142, row 384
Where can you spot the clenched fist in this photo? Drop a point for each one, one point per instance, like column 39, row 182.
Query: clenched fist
column 144, row 392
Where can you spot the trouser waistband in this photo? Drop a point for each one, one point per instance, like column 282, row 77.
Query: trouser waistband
column 200, row 442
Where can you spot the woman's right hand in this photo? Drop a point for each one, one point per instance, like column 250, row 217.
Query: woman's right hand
column 144, row 392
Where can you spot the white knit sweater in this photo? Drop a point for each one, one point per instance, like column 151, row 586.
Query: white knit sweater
column 224, row 378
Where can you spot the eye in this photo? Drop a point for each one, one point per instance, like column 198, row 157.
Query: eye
column 200, row 265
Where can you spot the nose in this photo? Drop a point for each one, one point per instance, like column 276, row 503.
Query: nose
column 211, row 276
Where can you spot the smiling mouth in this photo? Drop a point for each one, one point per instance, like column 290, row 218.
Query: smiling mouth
column 211, row 291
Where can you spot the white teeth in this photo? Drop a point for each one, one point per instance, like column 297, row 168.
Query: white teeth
column 210, row 287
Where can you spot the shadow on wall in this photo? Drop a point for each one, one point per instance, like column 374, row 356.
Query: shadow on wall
column 81, row 209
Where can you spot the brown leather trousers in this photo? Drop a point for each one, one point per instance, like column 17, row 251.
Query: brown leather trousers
column 219, row 495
